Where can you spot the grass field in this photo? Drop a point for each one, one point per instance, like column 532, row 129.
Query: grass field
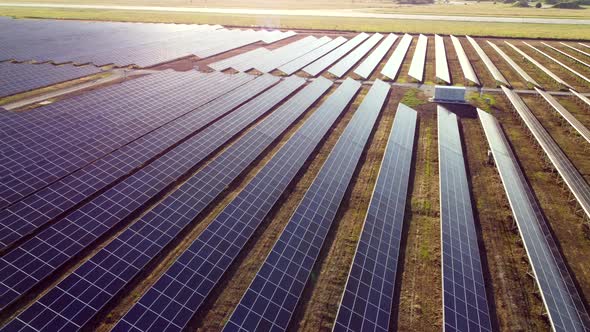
column 323, row 23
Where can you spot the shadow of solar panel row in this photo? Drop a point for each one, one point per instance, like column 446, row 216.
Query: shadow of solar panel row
column 366, row 68
column 34, row 211
column 559, row 293
column 368, row 296
column 132, row 250
column 271, row 298
column 567, row 55
column 346, row 63
column 575, row 49
column 18, row 78
column 440, row 53
column 26, row 265
column 563, row 65
column 538, row 65
column 324, row 62
column 419, row 59
column 513, row 64
column 188, row 282
column 568, row 172
column 487, row 62
column 563, row 112
column 87, row 142
column 281, row 56
column 464, row 62
column 297, row 64
column 465, row 304
column 392, row 66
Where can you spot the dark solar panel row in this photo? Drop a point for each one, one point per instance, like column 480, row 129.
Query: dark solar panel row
column 18, row 78
column 26, row 265
column 559, row 293
column 322, row 63
column 465, row 304
column 34, row 211
column 187, row 283
column 344, row 65
column 132, row 250
column 368, row 296
column 272, row 296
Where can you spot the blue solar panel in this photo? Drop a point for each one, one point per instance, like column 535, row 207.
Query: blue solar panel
column 196, row 272
column 465, row 302
column 368, row 295
column 272, row 296
column 37, row 258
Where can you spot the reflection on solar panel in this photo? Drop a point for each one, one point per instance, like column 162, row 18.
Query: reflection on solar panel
column 391, row 68
column 583, row 98
column 230, row 62
column 320, row 65
column 28, row 264
column 128, row 254
column 560, row 296
column 514, row 65
column 540, row 66
column 366, row 68
column 344, row 65
column 368, row 296
column 246, row 64
column 23, row 217
column 297, row 64
column 487, row 62
column 272, row 296
column 566, row 54
column 277, row 60
column 569, row 117
column 575, row 49
column 560, row 161
column 18, row 78
column 419, row 59
column 464, row 295
column 442, row 67
column 197, row 271
column 466, row 67
column 559, row 62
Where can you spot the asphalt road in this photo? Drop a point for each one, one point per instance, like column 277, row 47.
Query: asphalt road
column 304, row 12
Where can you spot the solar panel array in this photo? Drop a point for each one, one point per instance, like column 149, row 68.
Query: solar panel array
column 571, row 57
column 17, row 78
column 198, row 270
column 320, row 65
column 442, row 67
column 261, row 63
column 559, row 293
column 570, row 69
column 465, row 304
column 583, row 98
column 391, row 68
column 30, row 263
column 569, row 117
column 366, row 68
column 368, row 296
column 568, row 172
column 539, row 65
column 277, row 59
column 514, row 65
column 575, row 49
column 272, row 296
column 466, row 67
column 488, row 63
column 345, row 64
column 295, row 65
column 419, row 59
column 237, row 59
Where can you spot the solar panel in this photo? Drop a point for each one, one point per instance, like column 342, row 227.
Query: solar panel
column 539, row 65
column 488, row 63
column 243, row 57
column 559, row 294
column 261, row 63
column 419, row 59
column 583, row 98
column 28, row 264
column 36, row 210
column 569, row 117
column 566, row 54
column 465, row 304
column 366, row 68
column 391, row 68
column 277, row 60
column 346, row 63
column 442, row 67
column 466, row 67
column 514, row 65
column 573, row 71
column 128, row 254
column 247, row 63
column 297, row 64
column 575, row 49
column 272, row 296
column 568, row 172
column 368, row 295
column 202, row 265
column 320, row 65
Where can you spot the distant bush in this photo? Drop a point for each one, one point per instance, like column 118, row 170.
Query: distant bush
column 415, row 2
column 568, row 5
column 538, row 5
